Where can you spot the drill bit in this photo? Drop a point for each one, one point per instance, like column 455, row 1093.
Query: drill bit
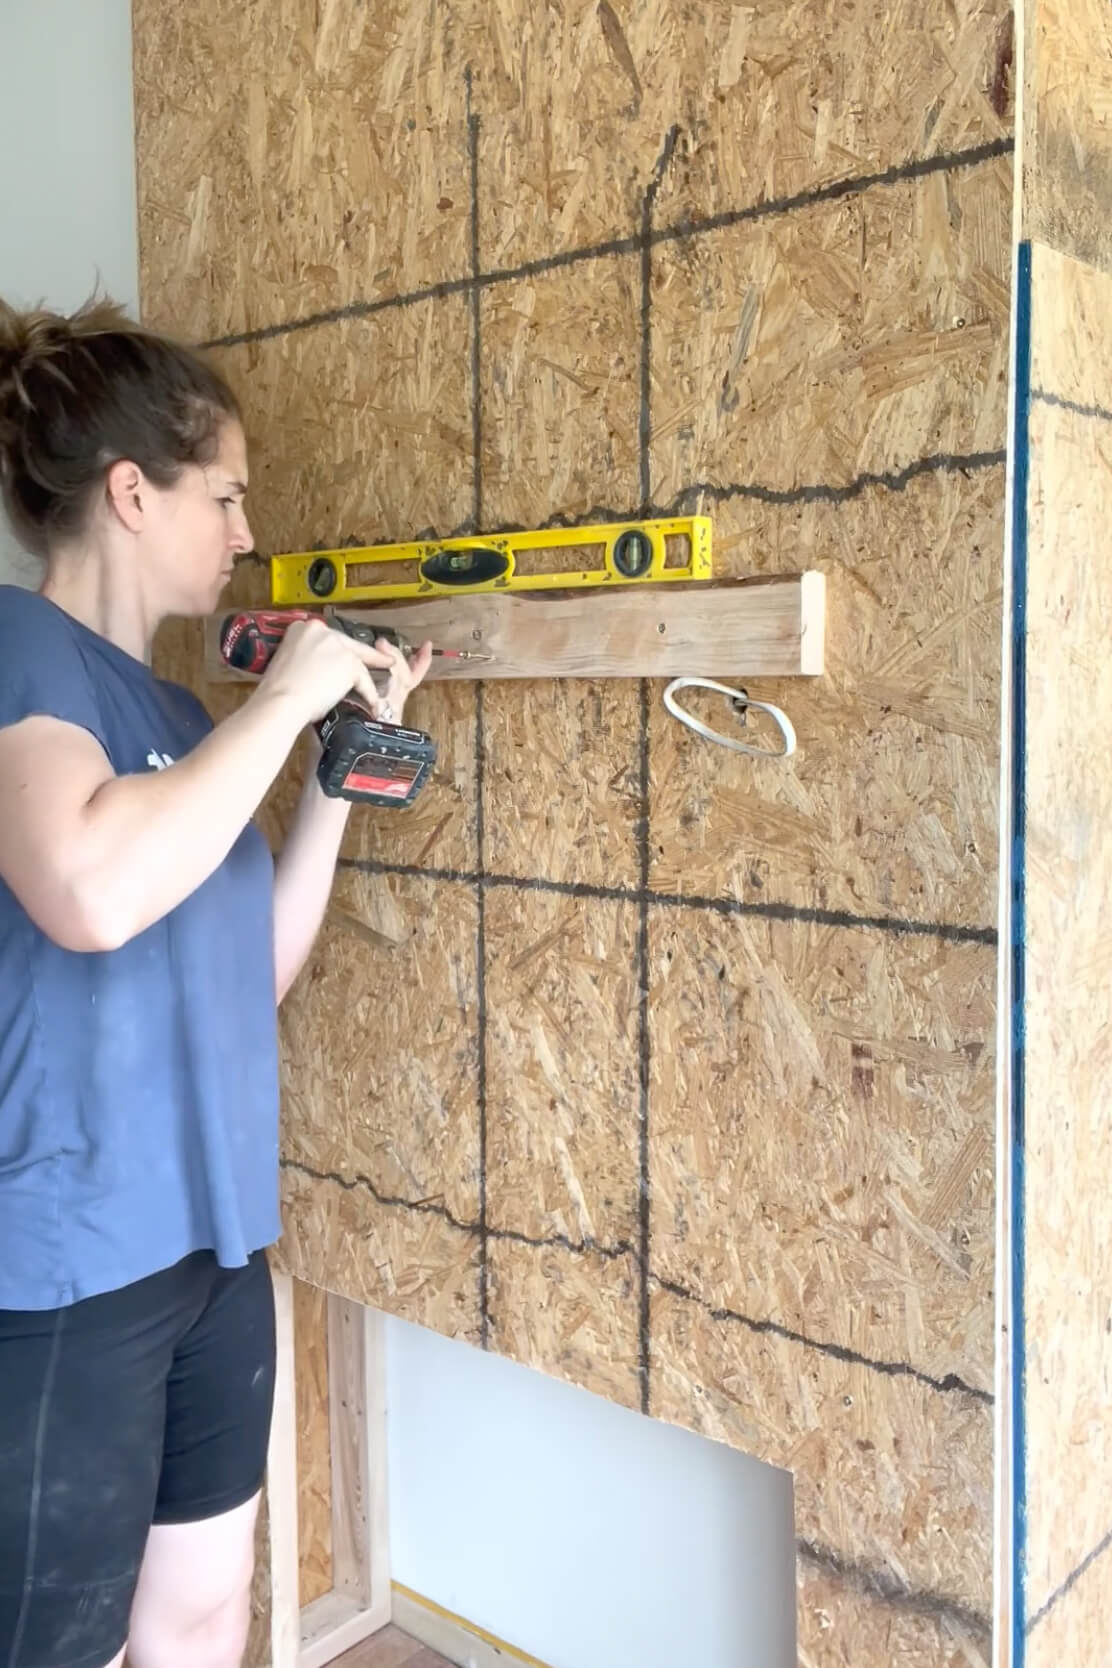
column 366, row 633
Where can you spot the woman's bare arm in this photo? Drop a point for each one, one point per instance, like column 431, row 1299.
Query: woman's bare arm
column 95, row 858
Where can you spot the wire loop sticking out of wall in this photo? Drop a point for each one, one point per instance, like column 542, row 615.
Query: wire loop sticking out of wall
column 739, row 703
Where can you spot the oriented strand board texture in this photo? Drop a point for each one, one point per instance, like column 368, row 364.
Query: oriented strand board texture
column 1067, row 128
column 849, row 1617
column 658, row 1068
column 1076, row 1628
column 1068, row 1137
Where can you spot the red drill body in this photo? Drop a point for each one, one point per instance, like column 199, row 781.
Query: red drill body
column 362, row 759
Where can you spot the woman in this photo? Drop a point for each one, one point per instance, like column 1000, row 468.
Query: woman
column 146, row 935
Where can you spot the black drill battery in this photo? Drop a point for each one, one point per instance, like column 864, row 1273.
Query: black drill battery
column 370, row 762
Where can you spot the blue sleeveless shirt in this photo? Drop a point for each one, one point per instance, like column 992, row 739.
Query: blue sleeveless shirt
column 138, row 1086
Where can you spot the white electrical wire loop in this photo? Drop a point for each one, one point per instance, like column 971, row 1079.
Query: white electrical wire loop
column 739, row 700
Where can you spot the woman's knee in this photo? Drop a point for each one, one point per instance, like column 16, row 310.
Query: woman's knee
column 193, row 1605
column 216, row 1639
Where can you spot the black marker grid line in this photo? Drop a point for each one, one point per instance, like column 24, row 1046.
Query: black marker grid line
column 1103, row 1545
column 882, row 1586
column 762, row 909
column 1077, row 408
column 946, row 1384
column 684, row 230
column 698, row 495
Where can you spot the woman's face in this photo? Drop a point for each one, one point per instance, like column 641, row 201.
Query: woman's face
column 198, row 528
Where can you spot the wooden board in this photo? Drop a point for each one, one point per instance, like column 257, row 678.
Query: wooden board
column 314, row 1455
column 442, row 1631
column 394, row 1649
column 310, row 1632
column 765, row 628
column 282, row 1566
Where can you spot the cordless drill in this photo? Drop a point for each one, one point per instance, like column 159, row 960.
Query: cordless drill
column 362, row 758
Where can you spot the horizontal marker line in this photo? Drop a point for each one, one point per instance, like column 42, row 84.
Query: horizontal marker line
column 839, row 1352
column 623, row 1248
column 1045, row 397
column 680, row 231
column 897, row 925
column 880, row 1584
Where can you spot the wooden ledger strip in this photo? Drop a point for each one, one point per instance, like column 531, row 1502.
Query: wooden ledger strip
column 757, row 628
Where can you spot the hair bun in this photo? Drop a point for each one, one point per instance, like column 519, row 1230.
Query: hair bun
column 17, row 334
column 37, row 337
column 30, row 335
column 38, row 333
column 26, row 339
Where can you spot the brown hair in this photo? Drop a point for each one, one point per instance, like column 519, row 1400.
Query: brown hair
column 77, row 394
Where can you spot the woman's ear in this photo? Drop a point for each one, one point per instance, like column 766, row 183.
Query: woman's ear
column 123, row 491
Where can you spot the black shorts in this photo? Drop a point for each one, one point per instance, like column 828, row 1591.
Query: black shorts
column 147, row 1405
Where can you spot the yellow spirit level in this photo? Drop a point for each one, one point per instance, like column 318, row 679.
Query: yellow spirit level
column 552, row 559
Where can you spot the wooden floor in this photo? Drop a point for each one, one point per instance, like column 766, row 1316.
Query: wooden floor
column 391, row 1649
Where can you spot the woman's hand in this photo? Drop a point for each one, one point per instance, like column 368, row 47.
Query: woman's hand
column 314, row 667
column 405, row 675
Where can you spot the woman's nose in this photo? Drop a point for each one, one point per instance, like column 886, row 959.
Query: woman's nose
column 241, row 539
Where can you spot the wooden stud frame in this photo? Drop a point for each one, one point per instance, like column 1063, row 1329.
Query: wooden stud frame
column 359, row 1603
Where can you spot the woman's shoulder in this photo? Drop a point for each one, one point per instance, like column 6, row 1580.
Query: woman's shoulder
column 21, row 598
column 42, row 667
column 28, row 619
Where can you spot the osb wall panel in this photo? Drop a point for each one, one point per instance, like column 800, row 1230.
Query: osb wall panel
column 1068, row 1127
column 1065, row 195
column 659, row 1069
column 1075, row 1626
column 840, row 1626
column 1067, row 127
column 874, row 1042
